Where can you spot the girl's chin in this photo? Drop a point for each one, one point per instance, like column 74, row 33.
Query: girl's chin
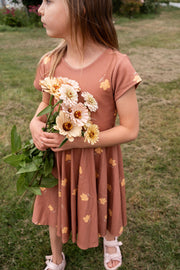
column 51, row 34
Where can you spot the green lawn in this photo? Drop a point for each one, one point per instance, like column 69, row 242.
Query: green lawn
column 150, row 241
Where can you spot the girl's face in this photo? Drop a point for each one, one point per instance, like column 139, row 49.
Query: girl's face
column 55, row 18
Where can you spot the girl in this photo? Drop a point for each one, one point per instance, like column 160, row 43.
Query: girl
column 89, row 200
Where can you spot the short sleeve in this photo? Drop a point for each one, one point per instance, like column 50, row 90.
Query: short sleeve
column 42, row 71
column 124, row 77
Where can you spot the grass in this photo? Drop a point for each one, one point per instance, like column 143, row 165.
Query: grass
column 151, row 162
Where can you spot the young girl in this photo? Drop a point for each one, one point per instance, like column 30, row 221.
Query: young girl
column 89, row 200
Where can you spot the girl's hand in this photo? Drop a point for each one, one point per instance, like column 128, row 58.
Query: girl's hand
column 37, row 133
column 53, row 141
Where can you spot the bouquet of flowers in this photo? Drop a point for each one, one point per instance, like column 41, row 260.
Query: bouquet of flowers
column 67, row 117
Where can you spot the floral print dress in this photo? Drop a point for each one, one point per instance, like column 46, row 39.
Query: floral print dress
column 90, row 195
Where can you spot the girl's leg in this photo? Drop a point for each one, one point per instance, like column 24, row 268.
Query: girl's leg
column 56, row 245
column 110, row 250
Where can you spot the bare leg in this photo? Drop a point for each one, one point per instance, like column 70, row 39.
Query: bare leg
column 56, row 245
column 110, row 250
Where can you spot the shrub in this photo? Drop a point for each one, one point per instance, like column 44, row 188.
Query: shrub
column 10, row 18
column 34, row 17
column 133, row 7
column 20, row 17
column 150, row 6
column 130, row 7
column 116, row 5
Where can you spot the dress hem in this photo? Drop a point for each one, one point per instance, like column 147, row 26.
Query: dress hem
column 91, row 245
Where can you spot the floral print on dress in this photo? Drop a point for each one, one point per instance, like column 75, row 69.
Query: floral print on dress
column 84, row 197
column 110, row 212
column 64, row 182
column 68, row 157
column 98, row 150
column 46, row 60
column 137, row 78
column 59, row 194
column 102, row 201
column 109, row 187
column 51, row 208
column 112, row 162
column 123, row 183
column 64, row 230
column 86, row 218
column 74, row 192
column 80, row 170
column 105, row 85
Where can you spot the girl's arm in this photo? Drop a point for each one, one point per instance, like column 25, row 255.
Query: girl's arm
column 127, row 108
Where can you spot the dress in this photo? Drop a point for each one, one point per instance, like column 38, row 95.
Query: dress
column 90, row 196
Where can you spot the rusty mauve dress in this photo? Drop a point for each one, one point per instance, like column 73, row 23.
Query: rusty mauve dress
column 90, row 196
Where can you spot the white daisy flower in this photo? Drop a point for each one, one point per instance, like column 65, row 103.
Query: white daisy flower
column 92, row 134
column 66, row 108
column 51, row 86
column 68, row 94
column 66, row 126
column 79, row 114
column 72, row 83
column 90, row 101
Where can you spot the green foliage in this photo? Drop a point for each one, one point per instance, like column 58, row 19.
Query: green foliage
column 130, row 7
column 150, row 6
column 28, row 3
column 20, row 17
column 116, row 5
column 15, row 140
column 33, row 165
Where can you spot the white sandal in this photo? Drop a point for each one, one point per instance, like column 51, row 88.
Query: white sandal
column 53, row 266
column 114, row 256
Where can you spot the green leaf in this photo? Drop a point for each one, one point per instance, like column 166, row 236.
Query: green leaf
column 48, row 109
column 14, row 160
column 48, row 165
column 34, row 190
column 63, row 142
column 15, row 140
column 49, row 181
column 38, row 161
column 29, row 167
column 59, row 102
column 21, row 184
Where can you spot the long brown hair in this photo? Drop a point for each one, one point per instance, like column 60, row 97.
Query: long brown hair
column 91, row 19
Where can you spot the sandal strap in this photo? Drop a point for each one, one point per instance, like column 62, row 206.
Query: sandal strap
column 53, row 266
column 113, row 243
column 115, row 257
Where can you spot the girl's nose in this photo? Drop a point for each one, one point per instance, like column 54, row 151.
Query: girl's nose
column 41, row 9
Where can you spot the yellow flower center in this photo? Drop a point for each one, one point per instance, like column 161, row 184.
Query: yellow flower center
column 70, row 110
column 56, row 86
column 91, row 134
column 69, row 94
column 67, row 126
column 77, row 114
column 90, row 100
